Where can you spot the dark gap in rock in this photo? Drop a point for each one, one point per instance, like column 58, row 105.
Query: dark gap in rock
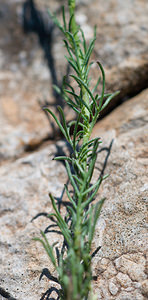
column 31, row 147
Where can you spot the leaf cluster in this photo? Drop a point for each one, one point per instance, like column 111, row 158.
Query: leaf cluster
column 78, row 226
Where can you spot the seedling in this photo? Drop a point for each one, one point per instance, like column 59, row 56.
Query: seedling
column 73, row 265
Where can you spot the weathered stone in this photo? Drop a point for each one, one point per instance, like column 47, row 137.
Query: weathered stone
column 110, row 271
column 122, row 223
column 121, row 46
column 134, row 270
column 123, row 279
column 144, row 288
column 130, row 296
column 113, row 288
column 24, row 194
column 121, row 43
column 120, row 265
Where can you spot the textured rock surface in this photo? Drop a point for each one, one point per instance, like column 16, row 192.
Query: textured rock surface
column 120, row 265
column 24, row 194
column 122, row 34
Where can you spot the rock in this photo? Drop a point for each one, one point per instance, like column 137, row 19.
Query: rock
column 121, row 46
column 128, row 296
column 128, row 77
column 25, row 85
column 135, row 271
column 144, row 288
column 21, row 125
column 24, row 125
column 113, row 288
column 123, row 279
column 120, row 265
column 121, row 43
column 131, row 115
column 124, row 233
column 31, row 179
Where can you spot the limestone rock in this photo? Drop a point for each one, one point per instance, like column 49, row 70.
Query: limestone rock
column 120, row 265
column 121, row 46
column 25, row 185
column 123, row 235
column 25, row 85
column 121, row 43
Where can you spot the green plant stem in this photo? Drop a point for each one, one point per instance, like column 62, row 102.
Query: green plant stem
column 74, row 266
column 86, row 136
column 85, row 95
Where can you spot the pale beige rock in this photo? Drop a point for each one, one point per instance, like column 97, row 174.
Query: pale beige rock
column 130, row 296
column 124, row 235
column 144, row 288
column 25, row 84
column 121, row 46
column 123, row 280
column 25, row 185
column 110, row 271
column 121, row 43
column 135, row 271
column 120, row 265
column 113, row 287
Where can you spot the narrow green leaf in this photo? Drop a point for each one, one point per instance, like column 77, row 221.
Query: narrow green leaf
column 103, row 85
column 84, row 41
column 97, row 210
column 80, row 168
column 105, row 96
column 75, row 131
column 74, row 108
column 81, row 82
column 73, row 94
column 93, row 160
column 80, row 132
column 96, row 185
column 83, row 154
column 73, row 65
column 95, row 87
column 88, row 53
column 70, row 198
column 57, row 121
column 62, row 224
column 89, row 50
column 63, row 158
column 75, row 52
column 68, row 49
column 86, row 148
column 109, row 99
column 64, row 20
column 88, row 68
column 70, row 22
column 57, row 89
column 77, row 179
column 64, row 123
column 88, row 108
column 47, row 248
column 68, row 100
column 70, row 124
column 89, row 143
column 55, row 20
column 71, row 178
column 73, row 214
column 68, row 85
